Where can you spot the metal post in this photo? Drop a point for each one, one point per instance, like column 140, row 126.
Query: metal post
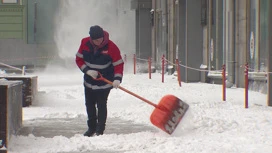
column 163, row 62
column 224, row 82
column 134, row 63
column 178, row 71
column 149, row 67
column 246, row 85
column 125, row 58
column 23, row 70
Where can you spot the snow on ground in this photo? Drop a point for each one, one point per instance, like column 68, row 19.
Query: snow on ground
column 210, row 126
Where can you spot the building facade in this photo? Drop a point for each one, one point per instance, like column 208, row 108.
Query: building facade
column 204, row 35
column 26, row 35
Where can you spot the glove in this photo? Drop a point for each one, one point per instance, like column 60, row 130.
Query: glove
column 116, row 84
column 92, row 73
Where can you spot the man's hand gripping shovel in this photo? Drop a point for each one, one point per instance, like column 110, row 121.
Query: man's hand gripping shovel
column 167, row 114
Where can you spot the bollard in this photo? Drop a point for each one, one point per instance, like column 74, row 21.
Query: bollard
column 163, row 60
column 178, row 71
column 224, row 81
column 246, row 85
column 134, row 63
column 149, row 67
column 125, row 58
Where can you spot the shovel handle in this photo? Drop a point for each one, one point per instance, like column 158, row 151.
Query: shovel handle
column 100, row 77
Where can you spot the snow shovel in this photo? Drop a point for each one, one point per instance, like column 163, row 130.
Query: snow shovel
column 167, row 113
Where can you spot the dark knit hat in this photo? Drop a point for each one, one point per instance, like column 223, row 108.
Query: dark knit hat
column 96, row 32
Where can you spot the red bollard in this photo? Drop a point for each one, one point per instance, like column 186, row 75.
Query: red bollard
column 134, row 63
column 163, row 68
column 246, row 85
column 125, row 58
column 178, row 71
column 149, row 67
column 224, row 81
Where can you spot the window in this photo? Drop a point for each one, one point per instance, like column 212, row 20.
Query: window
column 10, row 1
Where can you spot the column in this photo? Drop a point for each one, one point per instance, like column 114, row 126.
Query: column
column 269, row 51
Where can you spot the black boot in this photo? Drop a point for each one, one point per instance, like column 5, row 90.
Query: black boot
column 89, row 133
column 100, row 129
column 98, row 133
column 92, row 128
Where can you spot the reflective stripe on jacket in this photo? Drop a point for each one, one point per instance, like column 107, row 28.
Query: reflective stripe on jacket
column 105, row 59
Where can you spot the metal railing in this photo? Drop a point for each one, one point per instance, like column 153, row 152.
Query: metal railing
column 15, row 68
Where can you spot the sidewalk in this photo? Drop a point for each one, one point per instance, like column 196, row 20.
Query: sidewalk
column 50, row 127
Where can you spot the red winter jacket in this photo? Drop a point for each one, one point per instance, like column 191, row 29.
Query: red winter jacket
column 105, row 59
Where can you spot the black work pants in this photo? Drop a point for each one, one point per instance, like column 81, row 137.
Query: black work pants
column 96, row 106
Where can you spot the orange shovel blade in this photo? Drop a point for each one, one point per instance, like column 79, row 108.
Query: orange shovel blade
column 168, row 114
